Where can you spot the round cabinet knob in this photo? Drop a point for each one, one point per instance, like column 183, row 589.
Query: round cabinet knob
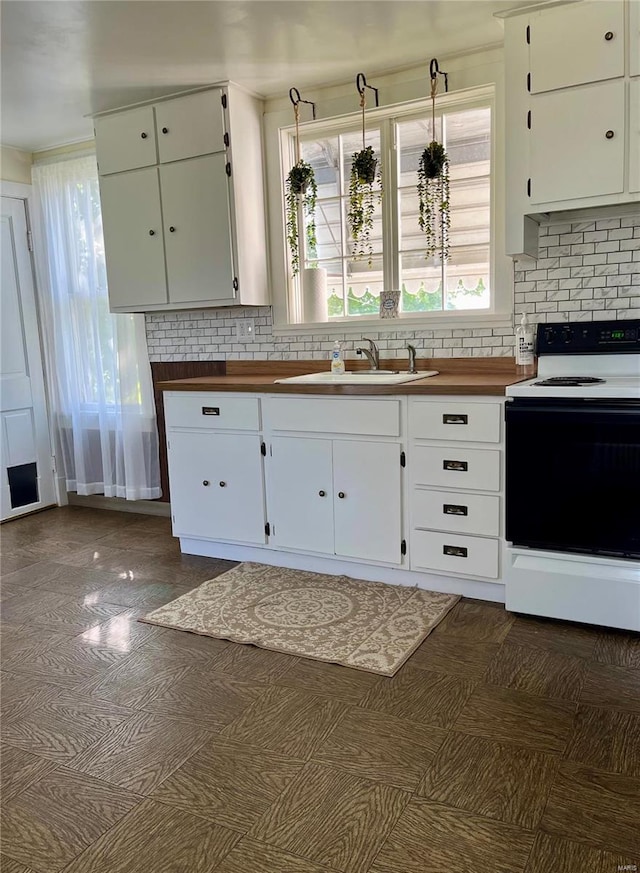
column 608, row 35
column 165, row 130
column 223, row 484
column 205, row 482
column 172, row 229
column 341, row 495
column 322, row 493
column 143, row 136
column 152, row 233
column 609, row 134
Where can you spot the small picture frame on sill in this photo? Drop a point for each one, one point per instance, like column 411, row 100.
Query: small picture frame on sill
column 389, row 304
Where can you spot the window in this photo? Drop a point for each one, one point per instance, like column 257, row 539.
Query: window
column 461, row 283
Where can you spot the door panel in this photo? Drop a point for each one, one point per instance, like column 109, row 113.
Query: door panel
column 27, row 481
column 634, row 135
column 217, row 486
column 125, row 141
column 577, row 44
column 195, row 199
column 571, row 154
column 132, row 224
column 367, row 517
column 194, row 126
column 302, row 517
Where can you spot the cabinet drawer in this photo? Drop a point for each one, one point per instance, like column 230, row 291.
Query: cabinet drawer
column 438, row 420
column 471, row 556
column 451, row 510
column 332, row 415
column 211, row 411
column 125, row 141
column 455, row 467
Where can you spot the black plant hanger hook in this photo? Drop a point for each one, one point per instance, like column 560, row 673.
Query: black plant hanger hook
column 434, row 72
column 296, row 99
column 361, row 84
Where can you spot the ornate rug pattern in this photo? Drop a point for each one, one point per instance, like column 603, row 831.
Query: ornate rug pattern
column 366, row 625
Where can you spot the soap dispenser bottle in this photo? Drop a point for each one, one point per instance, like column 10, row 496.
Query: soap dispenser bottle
column 524, row 347
column 337, row 360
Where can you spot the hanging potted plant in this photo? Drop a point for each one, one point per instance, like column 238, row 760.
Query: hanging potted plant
column 363, row 198
column 363, row 195
column 301, row 190
column 433, row 188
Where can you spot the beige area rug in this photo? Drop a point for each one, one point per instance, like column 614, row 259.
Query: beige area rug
column 367, row 625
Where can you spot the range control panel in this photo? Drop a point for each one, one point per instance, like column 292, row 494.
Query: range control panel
column 589, row 338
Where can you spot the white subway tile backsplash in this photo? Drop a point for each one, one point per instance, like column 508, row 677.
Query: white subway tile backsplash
column 585, row 271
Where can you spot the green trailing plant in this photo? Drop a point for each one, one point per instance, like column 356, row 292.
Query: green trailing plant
column 301, row 190
column 363, row 197
column 433, row 200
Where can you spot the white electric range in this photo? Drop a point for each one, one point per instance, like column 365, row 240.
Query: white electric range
column 573, row 477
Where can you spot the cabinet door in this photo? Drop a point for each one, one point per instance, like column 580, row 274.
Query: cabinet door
column 634, row 38
column 217, row 486
column 190, row 126
column 195, row 204
column 300, row 494
column 576, row 44
column 366, row 489
column 132, row 225
column 577, row 143
column 125, row 141
column 634, row 136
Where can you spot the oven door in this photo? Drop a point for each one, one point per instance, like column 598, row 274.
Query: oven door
column 573, row 475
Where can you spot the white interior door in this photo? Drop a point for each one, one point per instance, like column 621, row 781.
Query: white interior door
column 26, row 467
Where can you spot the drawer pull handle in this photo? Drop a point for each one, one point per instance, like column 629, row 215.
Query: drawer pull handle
column 143, row 136
column 608, row 35
column 609, row 134
column 223, row 484
column 165, row 130
column 455, row 509
column 457, row 466
column 451, row 418
column 205, row 482
column 211, row 410
column 341, row 495
column 322, row 493
column 455, row 551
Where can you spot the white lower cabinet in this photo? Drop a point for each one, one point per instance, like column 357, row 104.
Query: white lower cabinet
column 217, row 487
column 456, row 486
column 336, row 497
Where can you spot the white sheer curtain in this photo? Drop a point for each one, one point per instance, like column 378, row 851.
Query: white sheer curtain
column 99, row 372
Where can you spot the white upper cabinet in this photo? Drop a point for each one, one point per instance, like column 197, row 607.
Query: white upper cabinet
column 634, row 135
column 572, row 112
column 634, row 38
column 576, row 151
column 125, row 141
column 191, row 233
column 197, row 229
column 133, row 238
column 576, row 44
column 190, row 126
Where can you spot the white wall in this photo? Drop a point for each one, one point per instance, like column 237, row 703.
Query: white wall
column 15, row 165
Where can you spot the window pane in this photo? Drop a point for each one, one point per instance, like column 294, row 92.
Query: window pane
column 323, row 156
column 328, row 232
column 413, row 138
column 363, row 287
column 421, row 284
column 360, row 250
column 335, row 287
column 468, row 279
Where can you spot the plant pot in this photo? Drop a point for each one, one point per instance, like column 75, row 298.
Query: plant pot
column 367, row 175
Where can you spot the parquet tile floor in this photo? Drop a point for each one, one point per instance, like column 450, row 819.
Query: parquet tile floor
column 506, row 744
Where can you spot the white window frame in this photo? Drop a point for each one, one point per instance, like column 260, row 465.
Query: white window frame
column 499, row 313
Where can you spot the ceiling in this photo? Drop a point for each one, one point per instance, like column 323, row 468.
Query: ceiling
column 65, row 59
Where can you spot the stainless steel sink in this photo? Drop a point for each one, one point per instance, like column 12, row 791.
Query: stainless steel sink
column 361, row 377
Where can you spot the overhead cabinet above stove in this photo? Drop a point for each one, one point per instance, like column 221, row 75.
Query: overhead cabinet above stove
column 573, row 112
column 181, row 186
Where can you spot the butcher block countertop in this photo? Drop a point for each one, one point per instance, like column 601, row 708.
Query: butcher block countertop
column 481, row 376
